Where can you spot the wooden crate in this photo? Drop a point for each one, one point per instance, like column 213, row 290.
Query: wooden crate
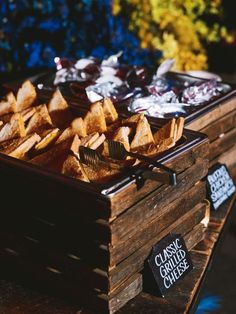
column 219, row 124
column 57, row 280
column 79, row 241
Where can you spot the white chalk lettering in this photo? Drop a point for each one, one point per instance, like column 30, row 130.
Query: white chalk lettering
column 221, row 186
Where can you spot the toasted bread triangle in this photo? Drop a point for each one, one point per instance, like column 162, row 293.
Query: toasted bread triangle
column 166, row 144
column 8, row 105
column 168, row 130
column 47, row 138
column 67, row 133
column 100, row 174
column 13, row 129
column 28, row 113
column 79, row 127
column 143, row 135
column 57, row 102
column 95, row 119
column 122, row 135
column 26, row 96
column 59, row 110
column 89, row 139
column 73, row 168
column 98, row 142
column 40, row 121
column 133, row 120
column 109, row 110
column 57, row 151
column 19, row 147
column 180, row 128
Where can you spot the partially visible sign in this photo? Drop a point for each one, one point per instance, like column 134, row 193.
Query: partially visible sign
column 220, row 185
column 169, row 262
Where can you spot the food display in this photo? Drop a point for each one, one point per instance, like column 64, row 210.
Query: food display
column 157, row 93
column 50, row 135
column 93, row 208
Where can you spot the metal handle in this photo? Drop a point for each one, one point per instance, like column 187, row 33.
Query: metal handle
column 160, row 177
column 169, row 176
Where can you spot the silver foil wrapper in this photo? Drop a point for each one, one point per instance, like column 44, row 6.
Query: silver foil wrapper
column 200, row 94
column 159, row 105
column 113, row 60
column 99, row 91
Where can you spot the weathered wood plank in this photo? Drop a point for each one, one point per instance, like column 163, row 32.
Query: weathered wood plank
column 72, row 268
column 157, row 203
column 207, row 244
column 221, row 144
column 135, row 263
column 213, row 115
column 125, row 198
column 221, row 126
column 195, row 236
column 178, row 299
column 77, row 291
column 228, row 157
column 128, row 291
column 192, row 217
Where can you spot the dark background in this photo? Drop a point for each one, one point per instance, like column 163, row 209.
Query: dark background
column 34, row 32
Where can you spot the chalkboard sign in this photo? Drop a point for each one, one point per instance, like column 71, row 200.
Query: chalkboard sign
column 169, row 262
column 220, row 186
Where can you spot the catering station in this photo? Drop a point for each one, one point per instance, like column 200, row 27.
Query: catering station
column 120, row 180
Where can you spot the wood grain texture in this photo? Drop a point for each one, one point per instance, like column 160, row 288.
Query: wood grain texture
column 220, row 126
column 222, row 144
column 181, row 225
column 210, row 117
column 228, row 157
column 156, row 203
column 135, row 263
column 125, row 198
column 178, row 299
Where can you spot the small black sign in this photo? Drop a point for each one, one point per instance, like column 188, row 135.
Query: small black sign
column 220, row 186
column 169, row 262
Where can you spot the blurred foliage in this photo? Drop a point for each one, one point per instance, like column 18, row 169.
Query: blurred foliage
column 34, row 32
column 181, row 29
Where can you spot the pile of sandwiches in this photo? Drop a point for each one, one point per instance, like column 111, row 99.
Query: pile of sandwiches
column 49, row 134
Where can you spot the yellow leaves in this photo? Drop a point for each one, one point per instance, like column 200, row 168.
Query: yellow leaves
column 189, row 60
column 176, row 27
column 169, row 46
column 201, row 28
column 116, row 7
column 185, row 59
column 228, row 37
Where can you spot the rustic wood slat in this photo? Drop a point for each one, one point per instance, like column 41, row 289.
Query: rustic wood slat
column 72, row 267
column 223, row 143
column 192, row 235
column 207, row 244
column 129, row 246
column 216, row 113
column 75, row 291
column 179, row 300
column 227, row 157
column 125, row 198
column 156, row 203
column 220, row 126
